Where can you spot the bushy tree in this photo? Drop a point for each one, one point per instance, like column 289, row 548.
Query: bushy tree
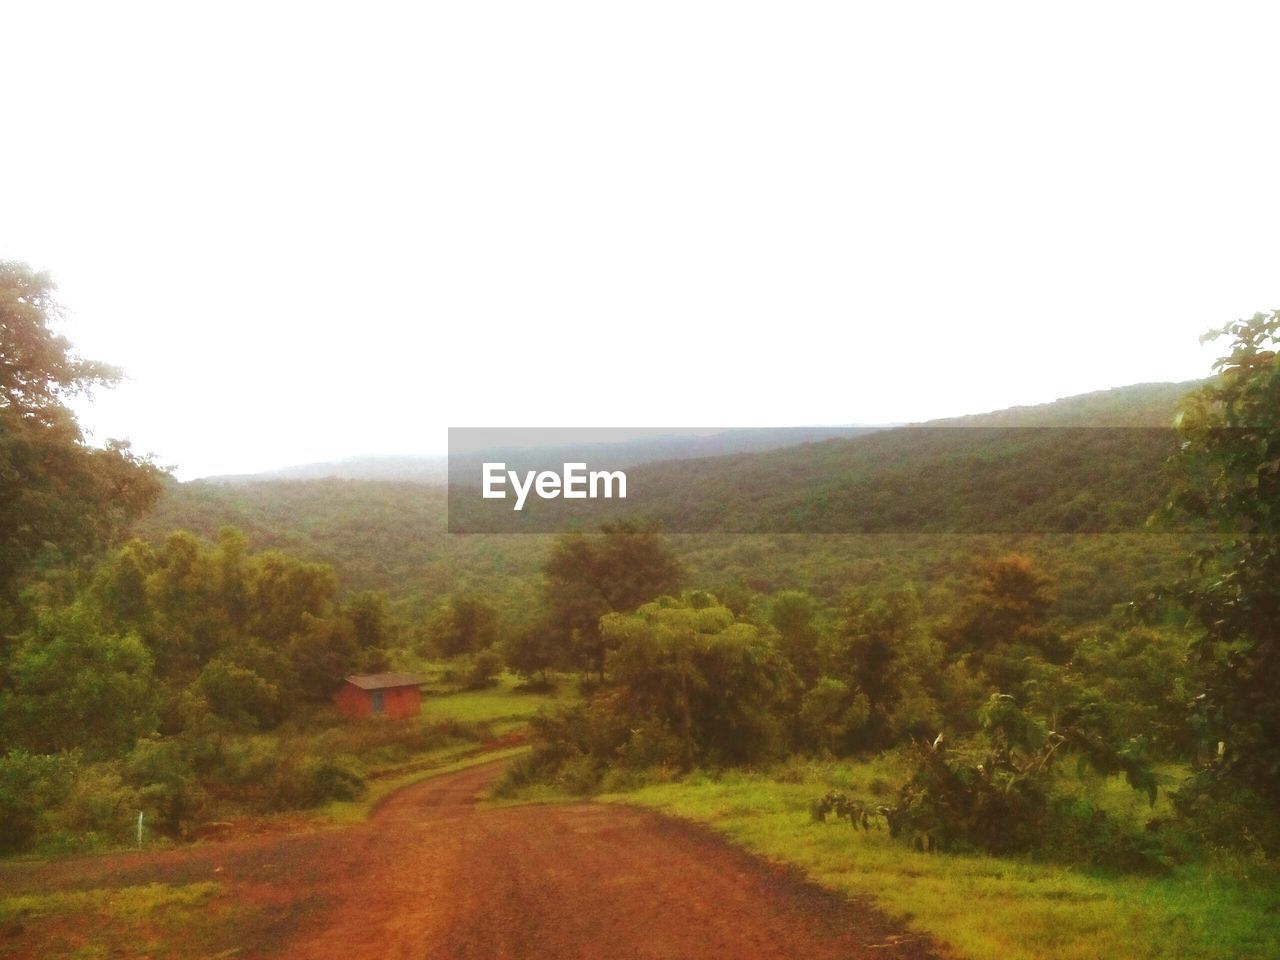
column 465, row 624
column 61, row 500
column 1003, row 626
column 887, row 660
column 614, row 572
column 76, row 685
column 997, row 795
column 1229, row 480
column 795, row 615
column 239, row 695
column 716, row 683
column 533, row 652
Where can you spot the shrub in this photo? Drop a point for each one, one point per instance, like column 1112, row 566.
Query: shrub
column 168, row 785
column 240, row 695
column 311, row 781
column 29, row 784
column 101, row 805
column 1000, row 799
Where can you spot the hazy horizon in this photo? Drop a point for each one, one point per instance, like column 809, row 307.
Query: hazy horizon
column 306, row 238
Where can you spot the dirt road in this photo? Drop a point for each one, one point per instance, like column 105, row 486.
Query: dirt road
column 433, row 875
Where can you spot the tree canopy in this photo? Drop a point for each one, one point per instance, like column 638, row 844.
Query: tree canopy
column 60, row 498
column 1229, row 464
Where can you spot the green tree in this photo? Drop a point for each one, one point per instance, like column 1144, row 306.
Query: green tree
column 370, row 620
column 239, row 695
column 466, row 624
column 60, row 498
column 533, row 652
column 75, row 685
column 887, row 660
column 1228, row 478
column 718, row 684
column 1003, row 626
column 615, row 572
column 795, row 615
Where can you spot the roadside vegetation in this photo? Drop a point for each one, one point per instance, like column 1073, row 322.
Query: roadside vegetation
column 984, row 907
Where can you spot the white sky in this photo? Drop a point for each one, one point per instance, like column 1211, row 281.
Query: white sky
column 315, row 231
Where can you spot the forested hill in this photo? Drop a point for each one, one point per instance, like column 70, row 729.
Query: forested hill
column 1087, row 464
column 1138, row 405
column 391, row 535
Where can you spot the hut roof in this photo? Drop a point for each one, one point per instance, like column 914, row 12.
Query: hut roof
column 381, row 681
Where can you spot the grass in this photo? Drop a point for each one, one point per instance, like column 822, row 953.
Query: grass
column 123, row 903
column 983, row 907
column 501, row 703
column 154, row 920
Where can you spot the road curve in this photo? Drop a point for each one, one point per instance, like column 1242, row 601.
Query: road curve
column 435, row 875
column 443, row 877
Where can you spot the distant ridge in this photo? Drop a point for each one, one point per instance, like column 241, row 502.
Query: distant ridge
column 399, row 468
column 621, row 454
column 1138, row 405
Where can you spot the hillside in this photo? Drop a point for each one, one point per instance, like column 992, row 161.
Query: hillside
column 924, row 503
column 1087, row 464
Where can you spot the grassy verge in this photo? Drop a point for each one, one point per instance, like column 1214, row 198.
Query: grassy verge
column 155, row 920
column 449, row 761
column 982, row 907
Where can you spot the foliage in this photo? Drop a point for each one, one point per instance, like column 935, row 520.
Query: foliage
column 692, row 668
column 858, row 813
column 688, row 683
column 532, row 651
column 832, row 716
column 980, row 906
column 465, row 624
column 1002, row 627
column 29, row 785
column 478, row 671
column 1002, row 800
column 60, row 499
column 885, row 655
column 589, row 577
column 75, row 684
column 1229, row 479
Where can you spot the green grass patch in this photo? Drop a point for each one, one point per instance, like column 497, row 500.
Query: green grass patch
column 984, row 907
column 502, row 702
column 156, row 920
column 130, row 904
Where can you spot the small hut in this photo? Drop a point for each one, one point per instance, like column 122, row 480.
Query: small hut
column 380, row 695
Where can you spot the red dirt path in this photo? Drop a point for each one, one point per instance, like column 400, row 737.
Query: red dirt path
column 433, row 875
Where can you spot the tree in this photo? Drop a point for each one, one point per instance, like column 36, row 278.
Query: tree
column 532, row 652
column 886, row 661
column 465, row 625
column 588, row 577
column 716, row 683
column 1003, row 627
column 60, row 498
column 76, row 686
column 1228, row 479
column 794, row 614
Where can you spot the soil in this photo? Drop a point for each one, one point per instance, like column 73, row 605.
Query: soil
column 433, row 874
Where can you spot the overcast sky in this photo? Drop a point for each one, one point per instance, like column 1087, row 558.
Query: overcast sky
column 322, row 230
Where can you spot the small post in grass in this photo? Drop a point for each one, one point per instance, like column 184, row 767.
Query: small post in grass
column 139, row 829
